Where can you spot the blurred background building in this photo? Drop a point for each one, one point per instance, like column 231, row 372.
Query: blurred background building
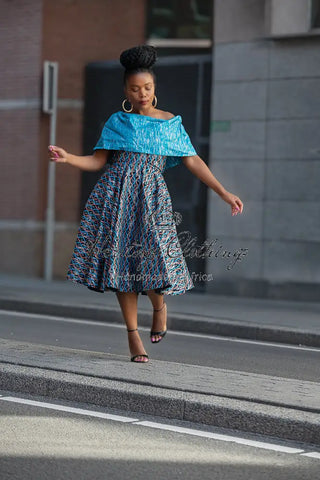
column 255, row 68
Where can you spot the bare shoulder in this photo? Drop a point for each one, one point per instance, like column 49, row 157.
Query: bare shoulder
column 165, row 115
column 169, row 115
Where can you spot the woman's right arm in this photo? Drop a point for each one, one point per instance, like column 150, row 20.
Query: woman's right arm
column 88, row 162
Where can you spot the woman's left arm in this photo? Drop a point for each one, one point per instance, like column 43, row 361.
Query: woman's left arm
column 200, row 169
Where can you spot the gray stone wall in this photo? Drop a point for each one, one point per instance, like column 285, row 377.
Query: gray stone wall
column 265, row 147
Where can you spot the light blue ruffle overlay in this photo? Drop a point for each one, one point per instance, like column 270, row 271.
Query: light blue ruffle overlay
column 140, row 133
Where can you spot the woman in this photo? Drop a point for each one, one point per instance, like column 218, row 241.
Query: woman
column 127, row 239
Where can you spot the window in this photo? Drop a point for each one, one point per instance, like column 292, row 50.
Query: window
column 293, row 17
column 315, row 14
column 180, row 19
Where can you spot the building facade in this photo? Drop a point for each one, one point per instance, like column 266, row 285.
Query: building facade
column 72, row 33
column 264, row 142
column 265, row 147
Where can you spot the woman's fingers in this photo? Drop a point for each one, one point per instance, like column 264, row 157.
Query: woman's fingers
column 53, row 152
column 237, row 206
column 234, row 201
column 57, row 154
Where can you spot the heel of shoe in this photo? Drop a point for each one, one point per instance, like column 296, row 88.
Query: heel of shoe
column 163, row 332
column 139, row 354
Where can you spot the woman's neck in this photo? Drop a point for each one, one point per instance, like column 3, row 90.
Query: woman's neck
column 148, row 113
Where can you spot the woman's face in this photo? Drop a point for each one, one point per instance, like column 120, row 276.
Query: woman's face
column 139, row 90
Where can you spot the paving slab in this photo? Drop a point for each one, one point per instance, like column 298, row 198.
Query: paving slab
column 286, row 408
column 252, row 318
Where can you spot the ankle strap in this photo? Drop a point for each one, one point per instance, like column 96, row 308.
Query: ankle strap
column 158, row 309
column 132, row 330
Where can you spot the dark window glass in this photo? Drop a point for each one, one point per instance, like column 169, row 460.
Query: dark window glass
column 179, row 19
column 315, row 14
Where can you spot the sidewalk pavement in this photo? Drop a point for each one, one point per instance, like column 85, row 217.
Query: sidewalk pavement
column 285, row 408
column 251, row 318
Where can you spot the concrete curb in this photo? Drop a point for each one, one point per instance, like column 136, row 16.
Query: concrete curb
column 179, row 322
column 279, row 422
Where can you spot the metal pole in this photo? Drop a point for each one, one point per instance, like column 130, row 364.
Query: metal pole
column 50, row 106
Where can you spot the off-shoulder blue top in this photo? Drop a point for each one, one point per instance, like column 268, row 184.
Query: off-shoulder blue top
column 141, row 133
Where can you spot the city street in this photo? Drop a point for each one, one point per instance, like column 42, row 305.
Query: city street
column 160, row 148
column 214, row 406
column 64, row 440
column 288, row 361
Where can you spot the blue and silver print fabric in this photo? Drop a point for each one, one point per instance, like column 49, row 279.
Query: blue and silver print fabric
column 127, row 239
column 141, row 133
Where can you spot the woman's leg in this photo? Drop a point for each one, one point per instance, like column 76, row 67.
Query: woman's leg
column 129, row 306
column 159, row 318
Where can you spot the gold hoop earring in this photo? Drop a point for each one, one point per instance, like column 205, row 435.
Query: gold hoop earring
column 155, row 103
column 124, row 101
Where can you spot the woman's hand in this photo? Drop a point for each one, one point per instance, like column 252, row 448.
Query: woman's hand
column 57, row 154
column 234, row 201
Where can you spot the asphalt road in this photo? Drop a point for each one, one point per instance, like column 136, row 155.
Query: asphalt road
column 271, row 359
column 51, row 441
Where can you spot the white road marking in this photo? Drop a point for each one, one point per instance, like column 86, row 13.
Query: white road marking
column 80, row 411
column 224, row 438
column 163, row 426
column 261, row 343
column 312, row 454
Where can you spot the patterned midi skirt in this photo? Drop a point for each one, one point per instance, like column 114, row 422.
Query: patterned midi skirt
column 127, row 238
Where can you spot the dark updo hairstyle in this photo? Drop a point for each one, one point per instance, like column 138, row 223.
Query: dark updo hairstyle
column 138, row 59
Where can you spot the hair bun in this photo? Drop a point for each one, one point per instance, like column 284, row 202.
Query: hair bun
column 141, row 56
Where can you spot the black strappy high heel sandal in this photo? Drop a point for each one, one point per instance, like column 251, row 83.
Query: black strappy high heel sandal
column 139, row 354
column 158, row 333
